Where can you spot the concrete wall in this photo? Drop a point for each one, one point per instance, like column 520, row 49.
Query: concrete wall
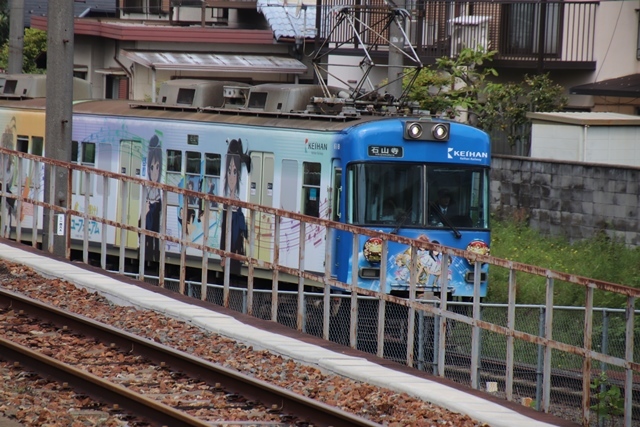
column 575, row 200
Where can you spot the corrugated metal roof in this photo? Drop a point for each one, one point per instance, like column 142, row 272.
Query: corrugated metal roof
column 587, row 118
column 203, row 61
column 290, row 19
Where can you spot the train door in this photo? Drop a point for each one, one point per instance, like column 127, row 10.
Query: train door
column 336, row 214
column 130, row 164
column 261, row 193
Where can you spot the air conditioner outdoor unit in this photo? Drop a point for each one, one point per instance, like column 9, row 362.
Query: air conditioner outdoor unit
column 471, row 31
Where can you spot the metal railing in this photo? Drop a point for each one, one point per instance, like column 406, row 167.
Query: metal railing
column 534, row 32
column 537, row 352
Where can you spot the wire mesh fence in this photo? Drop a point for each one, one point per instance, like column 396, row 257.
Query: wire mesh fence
column 566, row 377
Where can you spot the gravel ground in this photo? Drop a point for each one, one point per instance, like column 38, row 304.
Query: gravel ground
column 378, row 404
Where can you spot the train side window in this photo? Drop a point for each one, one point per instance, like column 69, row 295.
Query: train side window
column 75, row 149
column 193, row 168
column 311, row 189
column 29, row 166
column 212, row 164
column 22, row 144
column 88, row 158
column 174, row 173
column 37, row 145
column 89, row 154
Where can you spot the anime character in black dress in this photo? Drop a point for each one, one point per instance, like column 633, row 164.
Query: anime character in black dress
column 153, row 200
column 239, row 234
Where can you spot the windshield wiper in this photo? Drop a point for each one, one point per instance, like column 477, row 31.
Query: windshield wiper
column 446, row 221
column 401, row 221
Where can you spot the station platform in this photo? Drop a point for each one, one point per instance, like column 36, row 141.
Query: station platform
column 282, row 340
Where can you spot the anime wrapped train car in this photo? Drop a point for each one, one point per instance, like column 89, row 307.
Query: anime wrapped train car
column 293, row 147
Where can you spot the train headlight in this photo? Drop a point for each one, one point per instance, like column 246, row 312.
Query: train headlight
column 425, row 130
column 414, row 130
column 440, row 132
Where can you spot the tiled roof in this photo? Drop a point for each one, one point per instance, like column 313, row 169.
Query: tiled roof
column 290, row 19
column 39, row 8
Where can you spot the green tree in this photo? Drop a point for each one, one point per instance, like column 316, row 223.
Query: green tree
column 35, row 44
column 462, row 85
column 4, row 21
column 506, row 105
column 454, row 85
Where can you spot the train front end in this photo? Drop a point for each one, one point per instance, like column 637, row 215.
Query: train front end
column 424, row 179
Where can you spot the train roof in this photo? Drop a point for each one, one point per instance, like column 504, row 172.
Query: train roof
column 293, row 106
column 125, row 109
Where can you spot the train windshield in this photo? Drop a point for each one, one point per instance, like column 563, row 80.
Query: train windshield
column 402, row 195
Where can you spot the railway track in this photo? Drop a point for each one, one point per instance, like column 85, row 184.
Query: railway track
column 68, row 347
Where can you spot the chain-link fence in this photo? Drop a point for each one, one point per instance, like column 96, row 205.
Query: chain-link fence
column 388, row 336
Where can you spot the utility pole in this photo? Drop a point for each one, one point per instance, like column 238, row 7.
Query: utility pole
column 59, row 113
column 16, row 36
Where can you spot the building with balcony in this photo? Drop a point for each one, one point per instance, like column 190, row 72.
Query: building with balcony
column 127, row 47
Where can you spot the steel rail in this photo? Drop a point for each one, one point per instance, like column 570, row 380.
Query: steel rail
column 101, row 389
column 286, row 402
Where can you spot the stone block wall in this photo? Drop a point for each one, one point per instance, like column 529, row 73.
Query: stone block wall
column 575, row 200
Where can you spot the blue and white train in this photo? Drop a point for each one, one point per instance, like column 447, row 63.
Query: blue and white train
column 294, row 147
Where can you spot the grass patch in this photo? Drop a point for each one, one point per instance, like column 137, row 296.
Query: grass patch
column 598, row 258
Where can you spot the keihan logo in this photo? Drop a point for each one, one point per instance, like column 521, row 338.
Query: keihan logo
column 466, row 154
column 314, row 146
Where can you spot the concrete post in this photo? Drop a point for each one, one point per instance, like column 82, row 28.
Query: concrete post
column 59, row 107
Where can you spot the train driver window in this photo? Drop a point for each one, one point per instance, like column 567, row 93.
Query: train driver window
column 311, row 189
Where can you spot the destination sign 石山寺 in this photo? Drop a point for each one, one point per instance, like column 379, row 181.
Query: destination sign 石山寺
column 381, row 151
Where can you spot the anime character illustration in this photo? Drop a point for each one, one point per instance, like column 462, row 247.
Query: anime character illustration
column 236, row 157
column 403, row 263
column 430, row 268
column 7, row 173
column 212, row 191
column 193, row 184
column 194, row 225
column 153, row 200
